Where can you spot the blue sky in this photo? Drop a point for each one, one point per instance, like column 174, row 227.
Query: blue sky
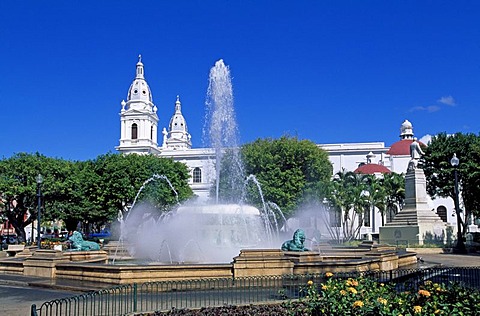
column 328, row 71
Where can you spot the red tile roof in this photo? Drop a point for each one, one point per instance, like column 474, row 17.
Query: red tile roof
column 372, row 168
column 402, row 147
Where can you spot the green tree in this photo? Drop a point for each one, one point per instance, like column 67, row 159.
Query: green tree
column 92, row 191
column 289, row 170
column 116, row 179
column 377, row 195
column 353, row 195
column 439, row 172
column 347, row 192
column 19, row 188
column 394, row 185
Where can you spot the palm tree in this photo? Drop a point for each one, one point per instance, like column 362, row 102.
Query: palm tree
column 377, row 195
column 394, row 185
column 345, row 194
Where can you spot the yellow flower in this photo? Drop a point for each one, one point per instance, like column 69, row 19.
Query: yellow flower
column 417, row 309
column 310, row 282
column 343, row 292
column 324, row 287
column 329, row 274
column 358, row 304
column 381, row 284
column 424, row 293
column 351, row 282
column 382, row 301
column 352, row 290
column 437, row 311
column 428, row 282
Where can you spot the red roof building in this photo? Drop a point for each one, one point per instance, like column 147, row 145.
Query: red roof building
column 402, row 147
column 372, row 168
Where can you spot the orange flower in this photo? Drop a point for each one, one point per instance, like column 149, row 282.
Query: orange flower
column 358, row 304
column 424, row 293
column 352, row 290
column 351, row 282
column 329, row 274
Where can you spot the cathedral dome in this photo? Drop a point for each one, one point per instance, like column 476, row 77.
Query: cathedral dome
column 139, row 89
column 402, row 147
column 177, row 122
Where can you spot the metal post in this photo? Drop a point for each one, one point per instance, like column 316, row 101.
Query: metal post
column 39, row 180
column 460, row 247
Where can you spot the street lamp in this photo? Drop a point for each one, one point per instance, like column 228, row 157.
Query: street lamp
column 460, row 247
column 39, row 180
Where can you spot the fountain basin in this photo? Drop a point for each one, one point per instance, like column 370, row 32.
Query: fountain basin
column 250, row 262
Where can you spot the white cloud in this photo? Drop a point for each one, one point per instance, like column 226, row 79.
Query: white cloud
column 448, row 100
column 429, row 109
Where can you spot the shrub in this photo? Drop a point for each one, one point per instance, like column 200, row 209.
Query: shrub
column 364, row 296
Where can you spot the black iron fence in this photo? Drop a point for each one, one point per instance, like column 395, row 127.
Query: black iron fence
column 164, row 295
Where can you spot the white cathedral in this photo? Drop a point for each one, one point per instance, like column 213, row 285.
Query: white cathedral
column 139, row 129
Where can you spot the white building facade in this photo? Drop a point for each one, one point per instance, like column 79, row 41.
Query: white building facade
column 139, row 129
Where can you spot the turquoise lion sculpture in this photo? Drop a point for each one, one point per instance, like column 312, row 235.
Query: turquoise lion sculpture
column 295, row 244
column 81, row 245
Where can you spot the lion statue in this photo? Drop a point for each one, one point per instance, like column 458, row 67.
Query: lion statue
column 81, row 245
column 296, row 244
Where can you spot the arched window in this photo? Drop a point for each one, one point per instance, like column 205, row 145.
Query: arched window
column 134, row 131
column 197, row 175
column 442, row 212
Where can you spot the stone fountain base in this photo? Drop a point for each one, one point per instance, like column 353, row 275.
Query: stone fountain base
column 91, row 265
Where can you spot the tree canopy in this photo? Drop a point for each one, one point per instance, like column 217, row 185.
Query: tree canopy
column 92, row 191
column 289, row 170
column 18, row 187
column 355, row 195
column 118, row 179
column 439, row 172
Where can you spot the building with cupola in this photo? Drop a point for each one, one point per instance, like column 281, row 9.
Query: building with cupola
column 139, row 129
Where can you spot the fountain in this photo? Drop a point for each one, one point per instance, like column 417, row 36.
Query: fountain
column 199, row 241
column 220, row 128
column 214, row 232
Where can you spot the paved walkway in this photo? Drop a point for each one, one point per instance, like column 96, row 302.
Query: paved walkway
column 451, row 260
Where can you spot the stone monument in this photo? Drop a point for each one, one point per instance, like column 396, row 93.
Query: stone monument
column 417, row 223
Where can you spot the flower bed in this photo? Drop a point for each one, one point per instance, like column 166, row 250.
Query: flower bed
column 361, row 296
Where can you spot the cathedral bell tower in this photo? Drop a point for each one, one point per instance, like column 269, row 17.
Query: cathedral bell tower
column 138, row 117
column 177, row 136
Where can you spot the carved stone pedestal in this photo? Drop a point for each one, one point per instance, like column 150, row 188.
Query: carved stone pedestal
column 417, row 223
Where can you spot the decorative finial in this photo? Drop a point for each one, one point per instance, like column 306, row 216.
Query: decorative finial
column 140, row 58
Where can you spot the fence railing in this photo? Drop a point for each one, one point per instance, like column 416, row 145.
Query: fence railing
column 164, row 295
